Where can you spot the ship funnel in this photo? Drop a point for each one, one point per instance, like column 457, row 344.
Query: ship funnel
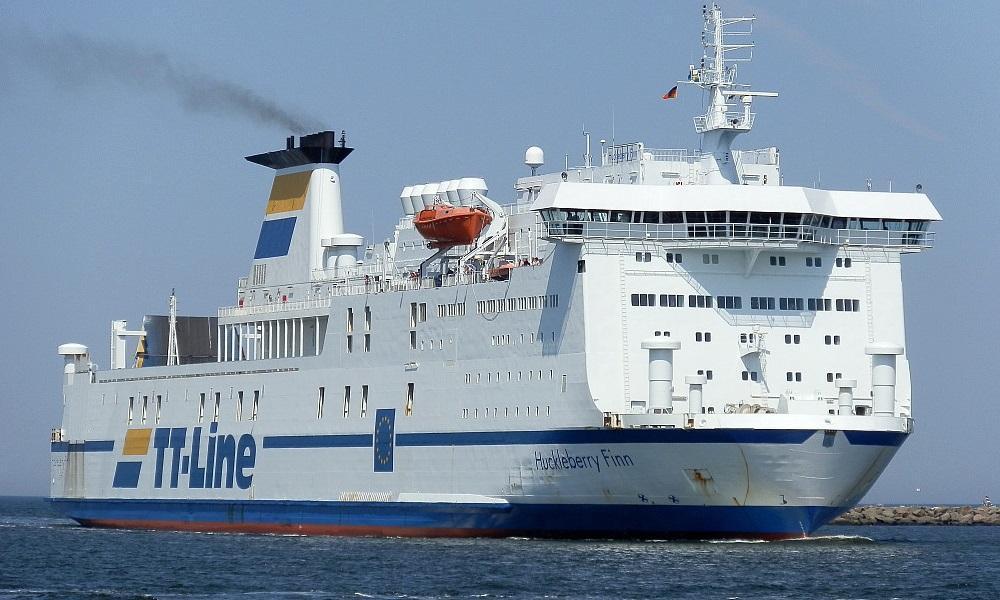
column 303, row 230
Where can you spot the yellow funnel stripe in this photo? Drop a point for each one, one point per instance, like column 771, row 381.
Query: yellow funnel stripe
column 137, row 442
column 288, row 192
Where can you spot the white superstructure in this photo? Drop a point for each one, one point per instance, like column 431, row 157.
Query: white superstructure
column 664, row 343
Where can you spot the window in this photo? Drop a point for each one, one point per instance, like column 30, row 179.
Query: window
column 349, row 344
column 643, row 257
column 423, row 312
column 347, row 401
column 320, row 399
column 796, row 376
column 831, row 377
column 696, row 300
column 413, row 340
column 256, row 401
column 562, row 386
column 705, row 336
column 581, row 266
column 710, row 259
column 708, row 374
column 368, row 342
column 848, row 305
column 413, row 314
column 368, row 318
column 218, row 404
column 201, row 409
column 791, row 303
column 674, row 257
column 364, row 401
column 762, row 303
column 145, row 401
column 159, row 405
column 729, row 302
column 643, row 300
column 792, row 338
column 409, row 399
column 239, row 405
column 672, row 300
column 350, row 320
column 777, row 261
column 749, row 375
column 131, row 407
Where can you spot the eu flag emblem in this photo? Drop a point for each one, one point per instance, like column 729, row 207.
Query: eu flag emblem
column 385, row 426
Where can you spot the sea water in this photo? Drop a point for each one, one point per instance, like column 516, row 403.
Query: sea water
column 45, row 556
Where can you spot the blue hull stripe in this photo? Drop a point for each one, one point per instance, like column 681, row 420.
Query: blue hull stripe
column 606, row 436
column 89, row 446
column 556, row 436
column 551, row 520
column 875, row 438
column 318, row 441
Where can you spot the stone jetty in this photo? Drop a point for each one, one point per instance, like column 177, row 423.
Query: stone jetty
column 920, row 515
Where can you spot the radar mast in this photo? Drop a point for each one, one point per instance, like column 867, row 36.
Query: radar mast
column 725, row 43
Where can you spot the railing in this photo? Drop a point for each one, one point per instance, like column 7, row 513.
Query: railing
column 735, row 120
column 672, row 155
column 738, row 232
column 357, row 287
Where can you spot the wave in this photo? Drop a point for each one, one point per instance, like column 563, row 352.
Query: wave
column 818, row 539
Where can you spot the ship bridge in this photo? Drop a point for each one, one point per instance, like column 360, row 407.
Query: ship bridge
column 736, row 216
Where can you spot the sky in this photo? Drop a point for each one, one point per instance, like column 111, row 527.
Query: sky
column 124, row 127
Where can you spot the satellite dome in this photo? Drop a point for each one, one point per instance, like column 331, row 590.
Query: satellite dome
column 534, row 157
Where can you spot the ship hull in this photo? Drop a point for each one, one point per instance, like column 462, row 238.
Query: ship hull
column 759, row 484
column 453, row 520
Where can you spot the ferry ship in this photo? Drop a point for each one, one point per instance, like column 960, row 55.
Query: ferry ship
column 655, row 344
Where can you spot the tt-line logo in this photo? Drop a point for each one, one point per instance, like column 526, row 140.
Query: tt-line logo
column 216, row 462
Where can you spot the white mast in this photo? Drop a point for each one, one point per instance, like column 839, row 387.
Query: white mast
column 173, row 356
column 717, row 75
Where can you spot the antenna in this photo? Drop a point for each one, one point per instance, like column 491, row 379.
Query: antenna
column 612, row 124
column 173, row 355
column 716, row 75
column 586, row 155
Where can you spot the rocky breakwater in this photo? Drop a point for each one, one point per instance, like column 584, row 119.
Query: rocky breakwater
column 920, row 515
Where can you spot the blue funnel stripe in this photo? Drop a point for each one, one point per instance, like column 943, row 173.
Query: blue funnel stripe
column 275, row 238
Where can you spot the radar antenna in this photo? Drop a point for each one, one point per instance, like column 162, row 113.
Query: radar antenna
column 717, row 76
column 173, row 356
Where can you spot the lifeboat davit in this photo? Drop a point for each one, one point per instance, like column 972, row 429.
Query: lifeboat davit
column 447, row 225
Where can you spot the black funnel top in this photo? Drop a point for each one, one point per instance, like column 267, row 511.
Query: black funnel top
column 314, row 148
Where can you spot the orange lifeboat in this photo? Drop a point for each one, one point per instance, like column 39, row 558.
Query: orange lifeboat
column 447, row 225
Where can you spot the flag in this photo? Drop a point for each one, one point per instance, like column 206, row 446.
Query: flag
column 671, row 94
